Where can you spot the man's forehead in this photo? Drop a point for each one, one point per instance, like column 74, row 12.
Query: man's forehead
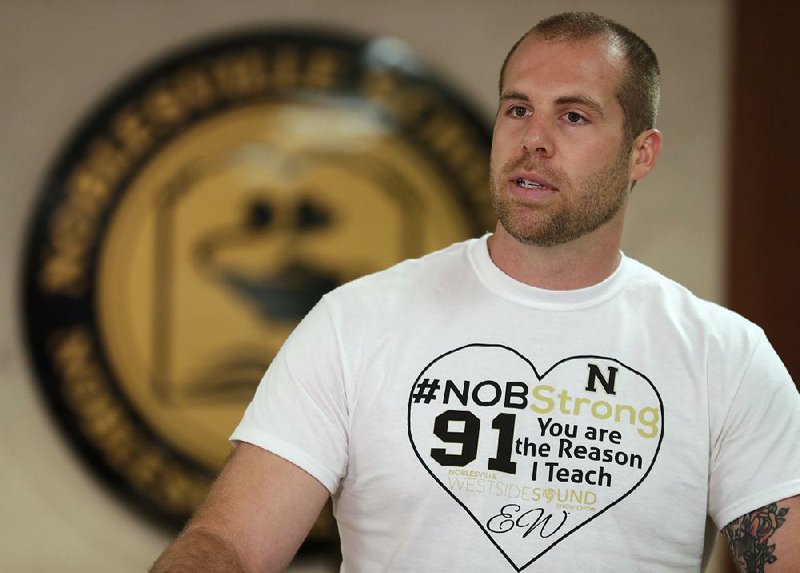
column 598, row 57
column 605, row 46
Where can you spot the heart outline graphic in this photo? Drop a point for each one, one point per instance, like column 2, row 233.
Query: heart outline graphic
column 416, row 387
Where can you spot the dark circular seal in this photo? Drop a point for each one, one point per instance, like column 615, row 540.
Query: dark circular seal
column 201, row 211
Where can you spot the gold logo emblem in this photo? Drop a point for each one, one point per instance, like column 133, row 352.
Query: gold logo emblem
column 203, row 210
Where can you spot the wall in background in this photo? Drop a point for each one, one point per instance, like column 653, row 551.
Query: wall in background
column 763, row 274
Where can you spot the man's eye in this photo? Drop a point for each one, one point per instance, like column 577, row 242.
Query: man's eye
column 518, row 111
column 574, row 117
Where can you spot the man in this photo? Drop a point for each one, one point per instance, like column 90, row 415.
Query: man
column 531, row 399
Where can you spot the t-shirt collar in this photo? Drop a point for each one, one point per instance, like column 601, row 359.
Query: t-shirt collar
column 504, row 285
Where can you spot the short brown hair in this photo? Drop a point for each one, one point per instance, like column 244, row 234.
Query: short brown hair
column 640, row 88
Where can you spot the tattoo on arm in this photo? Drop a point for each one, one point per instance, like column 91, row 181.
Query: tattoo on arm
column 748, row 537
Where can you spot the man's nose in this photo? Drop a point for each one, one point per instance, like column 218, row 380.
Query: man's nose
column 537, row 137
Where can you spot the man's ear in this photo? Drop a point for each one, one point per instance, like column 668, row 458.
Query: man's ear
column 646, row 148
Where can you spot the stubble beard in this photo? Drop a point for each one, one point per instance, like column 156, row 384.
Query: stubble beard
column 580, row 207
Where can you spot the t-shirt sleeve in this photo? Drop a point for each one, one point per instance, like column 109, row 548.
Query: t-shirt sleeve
column 756, row 457
column 299, row 411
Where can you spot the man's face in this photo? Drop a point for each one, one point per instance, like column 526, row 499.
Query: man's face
column 560, row 168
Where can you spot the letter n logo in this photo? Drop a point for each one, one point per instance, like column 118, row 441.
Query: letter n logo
column 595, row 375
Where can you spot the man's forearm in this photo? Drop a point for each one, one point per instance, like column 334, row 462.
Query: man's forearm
column 199, row 550
column 767, row 538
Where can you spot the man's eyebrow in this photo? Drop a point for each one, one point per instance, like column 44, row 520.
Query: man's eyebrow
column 514, row 95
column 563, row 100
column 581, row 100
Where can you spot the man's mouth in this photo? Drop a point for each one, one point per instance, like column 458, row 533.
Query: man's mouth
column 528, row 184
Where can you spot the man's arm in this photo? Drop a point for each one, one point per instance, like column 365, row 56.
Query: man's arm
column 768, row 537
column 255, row 517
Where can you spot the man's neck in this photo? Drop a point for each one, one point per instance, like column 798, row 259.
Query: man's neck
column 581, row 263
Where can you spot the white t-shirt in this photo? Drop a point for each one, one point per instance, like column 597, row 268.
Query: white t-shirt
column 464, row 421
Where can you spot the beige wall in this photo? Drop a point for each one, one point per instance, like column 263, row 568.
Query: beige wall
column 58, row 58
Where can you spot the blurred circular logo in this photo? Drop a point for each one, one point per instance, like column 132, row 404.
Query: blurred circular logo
column 203, row 209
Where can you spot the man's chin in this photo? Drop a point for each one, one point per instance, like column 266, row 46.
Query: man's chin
column 534, row 234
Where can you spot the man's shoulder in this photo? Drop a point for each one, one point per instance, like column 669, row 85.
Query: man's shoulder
column 649, row 285
column 401, row 294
